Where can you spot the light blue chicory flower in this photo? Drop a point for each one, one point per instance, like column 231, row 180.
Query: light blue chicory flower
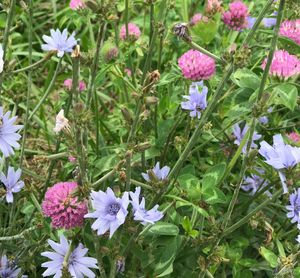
column 160, row 174
column 8, row 269
column 267, row 22
column 59, row 42
column 8, row 133
column 280, row 156
column 254, row 182
column 294, row 207
column 78, row 264
column 196, row 101
column 110, row 211
column 12, row 183
column 140, row 213
column 240, row 134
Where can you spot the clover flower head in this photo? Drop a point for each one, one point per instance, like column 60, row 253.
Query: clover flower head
column 78, row 264
column 236, row 17
column 134, row 32
column 291, row 30
column 59, row 41
column 160, row 174
column 284, row 65
column 68, row 85
column 196, row 101
column 212, row 7
column 195, row 19
column 196, row 66
column 1, row 58
column 294, row 207
column 240, row 134
column 64, row 209
column 294, row 136
column 8, row 269
column 76, row 4
column 140, row 213
column 110, row 211
column 12, row 183
column 8, row 133
column 61, row 122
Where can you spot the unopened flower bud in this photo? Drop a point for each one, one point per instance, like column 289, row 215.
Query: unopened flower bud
column 127, row 115
column 151, row 100
column 142, row 147
column 181, row 30
column 109, row 52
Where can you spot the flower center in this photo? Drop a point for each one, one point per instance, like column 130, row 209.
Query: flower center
column 113, row 209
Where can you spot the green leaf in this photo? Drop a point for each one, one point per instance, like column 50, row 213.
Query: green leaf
column 206, row 31
column 245, row 78
column 214, row 195
column 286, row 94
column 213, row 175
column 165, row 257
column 181, row 202
column 269, row 256
column 163, row 228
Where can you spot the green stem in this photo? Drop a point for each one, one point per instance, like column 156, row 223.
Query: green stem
column 128, row 170
column 18, row 236
column 6, row 35
column 204, row 51
column 48, row 90
column 143, row 185
column 94, row 69
column 29, row 83
column 252, row 213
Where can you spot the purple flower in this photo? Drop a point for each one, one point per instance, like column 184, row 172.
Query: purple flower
column 294, row 207
column 78, row 264
column 255, row 183
column 12, row 183
column 59, row 42
column 110, row 211
column 263, row 120
column 8, row 269
column 196, row 101
column 160, row 174
column 8, row 133
column 280, row 155
column 240, row 134
column 140, row 213
column 267, row 22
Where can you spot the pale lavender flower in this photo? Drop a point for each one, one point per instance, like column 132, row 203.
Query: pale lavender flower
column 294, row 207
column 140, row 213
column 267, row 22
column 298, row 238
column 8, row 269
column 59, row 41
column 160, row 174
column 240, row 134
column 196, row 101
column 255, row 183
column 78, row 265
column 280, row 156
column 110, row 211
column 263, row 120
column 8, row 133
column 12, row 183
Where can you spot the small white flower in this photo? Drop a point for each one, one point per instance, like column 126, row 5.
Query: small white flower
column 1, row 58
column 61, row 122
